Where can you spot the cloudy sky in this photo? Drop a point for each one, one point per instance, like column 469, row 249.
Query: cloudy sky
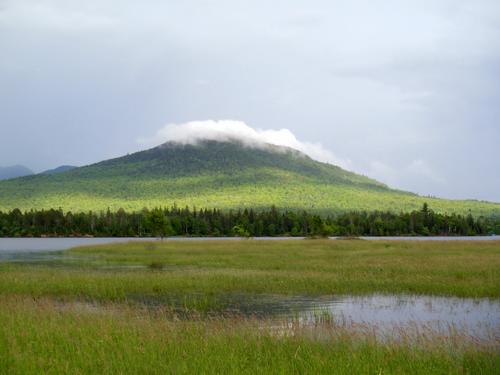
column 407, row 92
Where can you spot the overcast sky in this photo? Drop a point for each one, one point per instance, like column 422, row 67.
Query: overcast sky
column 407, row 92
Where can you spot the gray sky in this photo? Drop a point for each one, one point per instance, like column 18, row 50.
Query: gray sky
column 407, row 92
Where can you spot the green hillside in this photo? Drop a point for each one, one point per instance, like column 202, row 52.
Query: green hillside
column 217, row 175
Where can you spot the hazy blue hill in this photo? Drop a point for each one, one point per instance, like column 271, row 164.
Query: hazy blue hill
column 217, row 175
column 14, row 171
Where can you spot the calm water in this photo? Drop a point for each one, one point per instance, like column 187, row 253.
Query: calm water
column 382, row 314
column 479, row 318
column 32, row 249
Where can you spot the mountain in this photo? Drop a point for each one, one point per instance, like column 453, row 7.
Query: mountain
column 60, row 169
column 14, row 171
column 222, row 175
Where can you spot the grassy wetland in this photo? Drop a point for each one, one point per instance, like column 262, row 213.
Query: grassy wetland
column 159, row 307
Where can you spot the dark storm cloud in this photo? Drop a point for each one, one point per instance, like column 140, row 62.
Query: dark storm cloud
column 406, row 92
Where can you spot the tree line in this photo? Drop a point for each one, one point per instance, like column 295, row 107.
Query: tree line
column 176, row 221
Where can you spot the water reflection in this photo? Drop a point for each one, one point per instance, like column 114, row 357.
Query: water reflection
column 478, row 317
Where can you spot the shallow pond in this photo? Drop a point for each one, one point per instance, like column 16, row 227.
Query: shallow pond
column 479, row 318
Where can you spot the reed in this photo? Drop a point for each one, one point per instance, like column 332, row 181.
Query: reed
column 159, row 308
column 311, row 267
column 46, row 336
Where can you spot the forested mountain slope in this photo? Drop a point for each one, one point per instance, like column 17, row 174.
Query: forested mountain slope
column 217, row 175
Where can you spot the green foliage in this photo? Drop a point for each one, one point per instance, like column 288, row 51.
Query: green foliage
column 240, row 231
column 156, row 223
column 242, row 223
column 218, row 175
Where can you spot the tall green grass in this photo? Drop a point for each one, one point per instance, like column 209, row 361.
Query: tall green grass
column 122, row 272
column 88, row 312
column 42, row 336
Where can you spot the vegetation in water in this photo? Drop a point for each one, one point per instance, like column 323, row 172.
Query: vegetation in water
column 204, row 270
column 46, row 336
column 115, row 308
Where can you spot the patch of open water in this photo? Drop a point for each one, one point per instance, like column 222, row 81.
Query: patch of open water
column 478, row 318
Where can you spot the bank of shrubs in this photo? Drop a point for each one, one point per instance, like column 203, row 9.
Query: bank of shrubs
column 176, row 221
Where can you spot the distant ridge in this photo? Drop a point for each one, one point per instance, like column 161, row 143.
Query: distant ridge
column 14, row 171
column 223, row 175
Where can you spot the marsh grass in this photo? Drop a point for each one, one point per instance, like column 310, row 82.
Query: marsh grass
column 321, row 267
column 101, row 309
column 44, row 336
column 156, row 266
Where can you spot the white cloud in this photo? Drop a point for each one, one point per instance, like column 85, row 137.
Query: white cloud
column 226, row 130
column 416, row 175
